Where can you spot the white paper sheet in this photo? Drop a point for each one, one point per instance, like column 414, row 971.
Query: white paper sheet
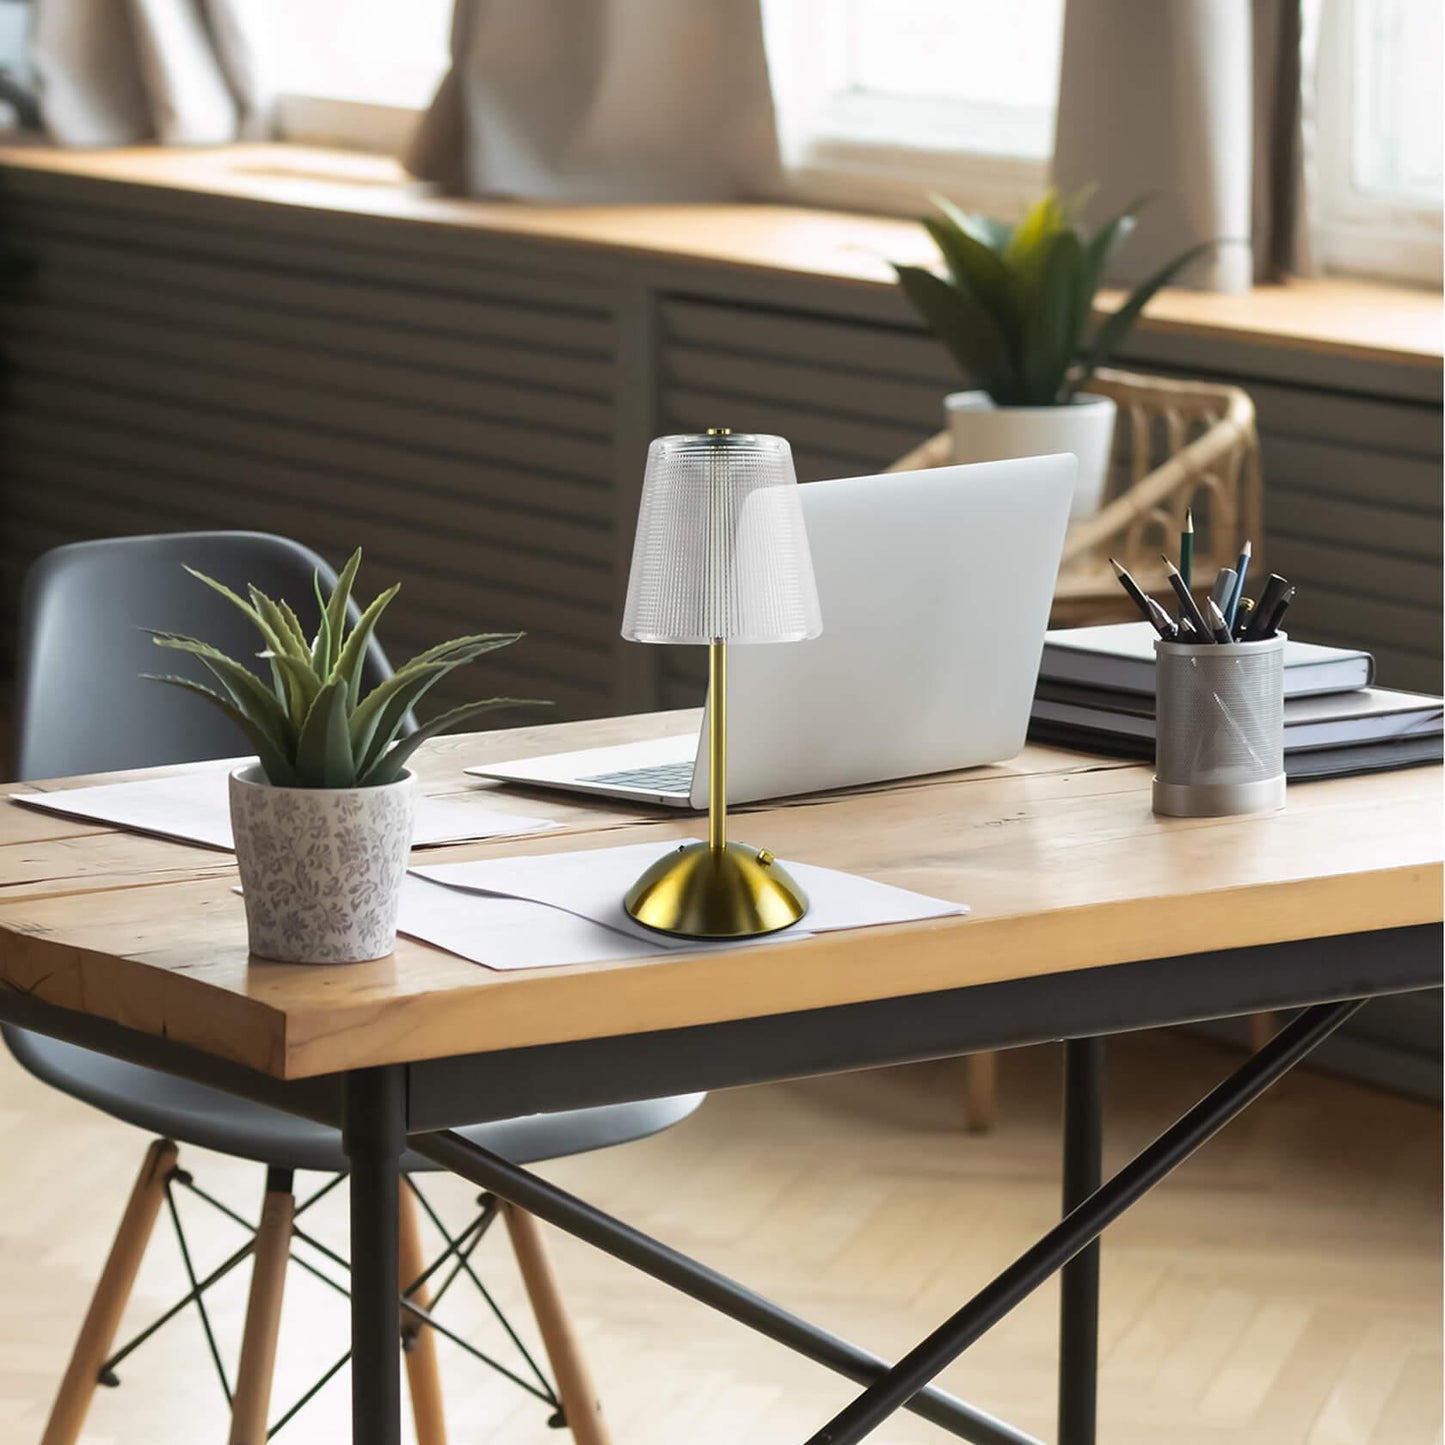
column 592, row 883
column 194, row 808
column 509, row 933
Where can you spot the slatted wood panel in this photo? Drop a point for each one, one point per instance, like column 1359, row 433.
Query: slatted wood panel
column 176, row 370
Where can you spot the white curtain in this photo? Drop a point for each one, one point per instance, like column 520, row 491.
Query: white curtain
column 603, row 100
column 119, row 72
column 1195, row 103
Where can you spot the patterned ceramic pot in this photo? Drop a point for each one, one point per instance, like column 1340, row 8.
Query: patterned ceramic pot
column 321, row 868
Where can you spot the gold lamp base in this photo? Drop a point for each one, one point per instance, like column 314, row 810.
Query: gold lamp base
column 703, row 892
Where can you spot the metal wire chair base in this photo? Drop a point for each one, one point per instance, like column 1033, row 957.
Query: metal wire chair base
column 454, row 1261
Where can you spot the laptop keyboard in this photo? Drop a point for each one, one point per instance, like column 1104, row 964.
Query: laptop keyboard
column 663, row 778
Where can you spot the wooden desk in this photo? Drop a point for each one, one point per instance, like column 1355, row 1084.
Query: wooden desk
column 1089, row 916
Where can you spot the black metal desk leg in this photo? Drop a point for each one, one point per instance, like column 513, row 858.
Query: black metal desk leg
column 374, row 1136
column 1079, row 1279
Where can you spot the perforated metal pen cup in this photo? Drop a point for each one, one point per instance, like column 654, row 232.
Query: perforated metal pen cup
column 1219, row 728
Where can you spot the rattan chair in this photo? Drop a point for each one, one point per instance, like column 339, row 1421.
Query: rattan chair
column 1178, row 445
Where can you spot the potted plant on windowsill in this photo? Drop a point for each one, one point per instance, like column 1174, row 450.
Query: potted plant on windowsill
column 323, row 819
column 1015, row 311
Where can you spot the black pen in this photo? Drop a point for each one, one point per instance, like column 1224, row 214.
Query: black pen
column 1163, row 622
column 1276, row 616
column 1241, row 568
column 1188, row 607
column 1274, row 589
column 1217, row 625
column 1246, row 611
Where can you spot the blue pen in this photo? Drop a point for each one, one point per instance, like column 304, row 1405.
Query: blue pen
column 1240, row 568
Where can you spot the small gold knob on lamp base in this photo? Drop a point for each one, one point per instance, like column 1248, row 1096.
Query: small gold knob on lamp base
column 701, row 892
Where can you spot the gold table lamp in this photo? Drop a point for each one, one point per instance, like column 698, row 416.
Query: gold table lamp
column 721, row 556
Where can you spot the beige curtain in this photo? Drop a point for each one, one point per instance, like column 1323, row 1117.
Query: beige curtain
column 1195, row 103
column 603, row 100
column 118, row 72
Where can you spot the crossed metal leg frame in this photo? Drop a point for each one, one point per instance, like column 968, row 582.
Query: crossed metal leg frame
column 1070, row 1248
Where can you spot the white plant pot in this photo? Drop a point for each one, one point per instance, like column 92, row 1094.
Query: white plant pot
column 321, row 868
column 983, row 432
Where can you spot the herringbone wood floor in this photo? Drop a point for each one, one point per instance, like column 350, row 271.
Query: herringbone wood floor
column 1282, row 1289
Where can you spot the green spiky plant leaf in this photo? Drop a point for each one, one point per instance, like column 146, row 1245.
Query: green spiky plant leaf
column 309, row 724
column 1015, row 305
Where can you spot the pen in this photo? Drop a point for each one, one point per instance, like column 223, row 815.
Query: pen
column 1163, row 622
column 1246, row 609
column 1240, row 568
column 1132, row 588
column 1223, row 589
column 1274, row 588
column 1186, row 548
column 1217, row 625
column 1188, row 607
column 1276, row 616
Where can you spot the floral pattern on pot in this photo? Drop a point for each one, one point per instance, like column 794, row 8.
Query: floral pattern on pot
column 321, row 868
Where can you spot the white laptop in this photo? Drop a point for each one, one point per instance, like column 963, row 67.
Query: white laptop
column 935, row 589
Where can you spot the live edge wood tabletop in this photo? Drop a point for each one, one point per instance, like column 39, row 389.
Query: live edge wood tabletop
column 1056, row 853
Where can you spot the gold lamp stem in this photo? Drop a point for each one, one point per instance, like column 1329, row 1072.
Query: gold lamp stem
column 717, row 746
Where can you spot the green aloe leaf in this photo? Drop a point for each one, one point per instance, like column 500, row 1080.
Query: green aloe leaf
column 984, row 229
column 352, row 661
column 321, row 643
column 336, row 610
column 1051, row 335
column 1113, row 329
column 390, row 766
column 245, row 689
column 300, row 683
column 293, row 626
column 323, row 749
column 273, row 639
column 381, row 713
column 961, row 324
column 1031, row 238
column 977, row 270
column 473, row 646
column 274, row 764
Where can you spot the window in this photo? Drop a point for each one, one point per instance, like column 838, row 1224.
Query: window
column 883, row 100
column 346, row 72
column 1377, row 168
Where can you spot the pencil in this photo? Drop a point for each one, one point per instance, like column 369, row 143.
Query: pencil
column 1130, row 586
column 1188, row 607
column 1186, row 548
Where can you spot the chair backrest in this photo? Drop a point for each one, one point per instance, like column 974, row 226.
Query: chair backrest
column 82, row 704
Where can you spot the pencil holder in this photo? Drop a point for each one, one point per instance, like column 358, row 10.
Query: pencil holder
column 1219, row 728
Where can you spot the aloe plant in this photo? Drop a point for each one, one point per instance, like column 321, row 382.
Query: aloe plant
column 311, row 727
column 1015, row 307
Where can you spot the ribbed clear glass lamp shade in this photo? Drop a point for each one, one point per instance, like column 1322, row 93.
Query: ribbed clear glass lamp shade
column 721, row 552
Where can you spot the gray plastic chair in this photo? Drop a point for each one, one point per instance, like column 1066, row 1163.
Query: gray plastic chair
column 82, row 707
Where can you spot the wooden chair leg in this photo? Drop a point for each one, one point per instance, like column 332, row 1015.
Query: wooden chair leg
column 112, row 1291
column 1262, row 1028
column 980, row 1092
column 251, row 1403
column 422, row 1378
column 574, row 1381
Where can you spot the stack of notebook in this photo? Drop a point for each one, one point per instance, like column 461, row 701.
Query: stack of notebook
column 1096, row 692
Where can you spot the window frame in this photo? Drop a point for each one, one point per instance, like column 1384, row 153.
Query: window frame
column 1351, row 231
column 828, row 162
